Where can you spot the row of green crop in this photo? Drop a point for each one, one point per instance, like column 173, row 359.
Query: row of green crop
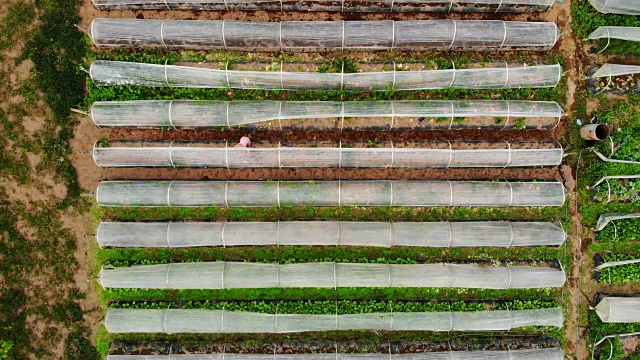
column 297, row 254
column 586, row 19
column 620, row 273
column 335, row 62
column 340, row 307
column 329, row 294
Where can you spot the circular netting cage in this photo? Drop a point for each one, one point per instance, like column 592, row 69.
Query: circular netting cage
column 333, row 5
column 172, row 321
column 612, row 309
column 239, row 275
column 107, row 73
column 390, row 155
column 328, row 193
column 519, row 354
column 330, row 115
column 324, row 35
column 623, row 7
column 329, row 233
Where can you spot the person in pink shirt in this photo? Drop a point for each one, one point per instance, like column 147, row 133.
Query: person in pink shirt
column 245, row 141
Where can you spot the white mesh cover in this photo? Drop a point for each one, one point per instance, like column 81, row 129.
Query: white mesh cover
column 329, row 233
column 323, row 35
column 297, row 157
column 238, row 275
column 336, row 5
column 106, row 73
column 613, row 309
column 623, row 7
column 196, row 114
column 328, row 193
column 173, row 321
column 616, row 32
column 523, row 354
column 608, row 70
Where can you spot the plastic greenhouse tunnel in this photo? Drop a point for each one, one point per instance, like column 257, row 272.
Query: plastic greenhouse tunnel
column 622, row 7
column 244, row 275
column 324, row 35
column 174, row 321
column 443, row 154
column 329, row 193
column 109, row 73
column 616, row 32
column 612, row 309
column 329, row 233
column 335, row 5
column 392, row 115
column 553, row 353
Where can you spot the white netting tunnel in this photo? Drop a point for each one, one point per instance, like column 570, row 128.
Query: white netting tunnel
column 616, row 32
column 519, row 354
column 244, row 275
column 329, row 233
column 205, row 114
column 107, row 73
column 394, row 155
column 324, row 35
column 612, row 309
column 333, row 5
column 609, row 70
column 173, row 321
column 329, row 193
column 623, row 7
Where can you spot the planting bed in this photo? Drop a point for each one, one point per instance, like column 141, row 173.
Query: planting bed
column 476, row 131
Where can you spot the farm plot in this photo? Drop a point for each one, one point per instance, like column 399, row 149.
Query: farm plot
column 331, row 256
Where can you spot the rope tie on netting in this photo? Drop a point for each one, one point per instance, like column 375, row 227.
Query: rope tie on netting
column 508, row 115
column 226, row 188
column 390, row 193
column 608, row 41
column 510, row 194
column 222, row 278
column 390, row 311
column 226, row 160
column 227, row 108
column 510, row 279
column 280, row 107
column 280, row 29
column 451, row 322
column 455, row 30
column 450, row 193
column 170, row 117
column 393, row 110
column 393, row 151
column 226, row 75
column 173, row 166
column 168, row 237
column 509, row 315
column 389, row 283
column 449, row 165
column 393, row 86
column 340, row 187
column 509, row 154
column 512, row 234
column 450, row 234
column 342, row 77
column 450, row 7
column 169, row 193
column 453, row 78
column 222, row 320
column 278, row 192
column 335, row 287
column 339, row 158
column 391, row 235
column 166, row 76
column 167, row 5
column 166, row 279
column 504, row 24
column 164, row 320
column 506, row 81
column 453, row 114
column 224, row 42
column 162, row 32
column 281, row 82
column 224, row 226
column 393, row 35
column 342, row 116
column 278, row 149
column 343, row 35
